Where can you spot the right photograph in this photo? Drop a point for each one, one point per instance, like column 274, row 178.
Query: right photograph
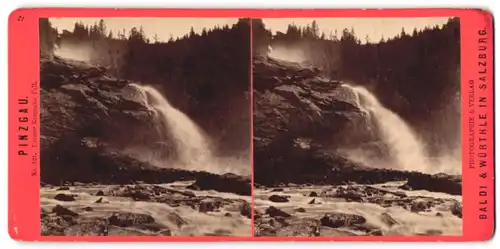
column 357, row 127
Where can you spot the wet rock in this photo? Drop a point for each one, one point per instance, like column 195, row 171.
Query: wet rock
column 69, row 218
column 349, row 194
column 438, row 214
column 275, row 212
column 311, row 201
column 99, row 193
column 265, row 230
column 257, row 215
column 277, row 190
column 435, row 183
column 364, row 227
column 165, row 232
column 64, row 197
column 63, row 188
column 194, row 187
column 228, row 215
column 336, row 220
column 123, row 219
column 209, row 206
column 433, row 232
column 189, row 194
column 302, row 227
column 387, row 219
column 278, row 198
column 418, row 206
column 88, row 227
column 137, row 193
column 176, row 219
column 43, row 213
column 406, row 187
column 300, row 210
column 377, row 232
column 88, row 209
column 229, row 183
column 456, row 209
column 281, row 220
column 60, row 211
column 53, row 225
column 246, row 210
column 99, row 200
column 313, row 194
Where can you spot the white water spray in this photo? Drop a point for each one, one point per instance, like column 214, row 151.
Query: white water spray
column 192, row 147
column 404, row 146
column 286, row 54
column 73, row 52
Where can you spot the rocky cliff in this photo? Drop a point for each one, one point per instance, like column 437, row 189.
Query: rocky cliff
column 306, row 186
column 302, row 119
column 89, row 120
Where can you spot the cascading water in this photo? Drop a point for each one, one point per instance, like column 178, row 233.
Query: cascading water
column 191, row 145
column 406, row 150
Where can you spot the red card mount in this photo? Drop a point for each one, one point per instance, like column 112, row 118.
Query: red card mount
column 251, row 125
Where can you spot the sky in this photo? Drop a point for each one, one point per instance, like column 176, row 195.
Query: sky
column 374, row 28
column 162, row 27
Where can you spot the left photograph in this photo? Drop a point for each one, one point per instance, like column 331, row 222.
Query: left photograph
column 145, row 127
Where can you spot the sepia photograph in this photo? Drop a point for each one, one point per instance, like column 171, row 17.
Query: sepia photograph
column 145, row 127
column 357, row 127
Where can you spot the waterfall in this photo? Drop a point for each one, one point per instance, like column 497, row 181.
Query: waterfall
column 191, row 145
column 406, row 150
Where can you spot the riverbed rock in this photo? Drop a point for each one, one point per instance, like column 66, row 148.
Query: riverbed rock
column 278, row 198
column 336, row 220
column 64, row 197
column 276, row 212
column 123, row 219
column 62, row 211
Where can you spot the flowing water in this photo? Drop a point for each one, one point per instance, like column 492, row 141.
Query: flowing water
column 407, row 222
column 192, row 146
column 196, row 223
column 405, row 148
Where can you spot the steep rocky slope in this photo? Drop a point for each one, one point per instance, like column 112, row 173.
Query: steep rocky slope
column 89, row 119
column 91, row 183
column 305, row 186
column 301, row 120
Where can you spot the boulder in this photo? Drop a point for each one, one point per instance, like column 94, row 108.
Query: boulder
column 336, row 220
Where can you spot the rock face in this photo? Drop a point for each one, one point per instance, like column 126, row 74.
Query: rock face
column 293, row 110
column 301, row 123
column 81, row 111
column 225, row 183
column 88, row 122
